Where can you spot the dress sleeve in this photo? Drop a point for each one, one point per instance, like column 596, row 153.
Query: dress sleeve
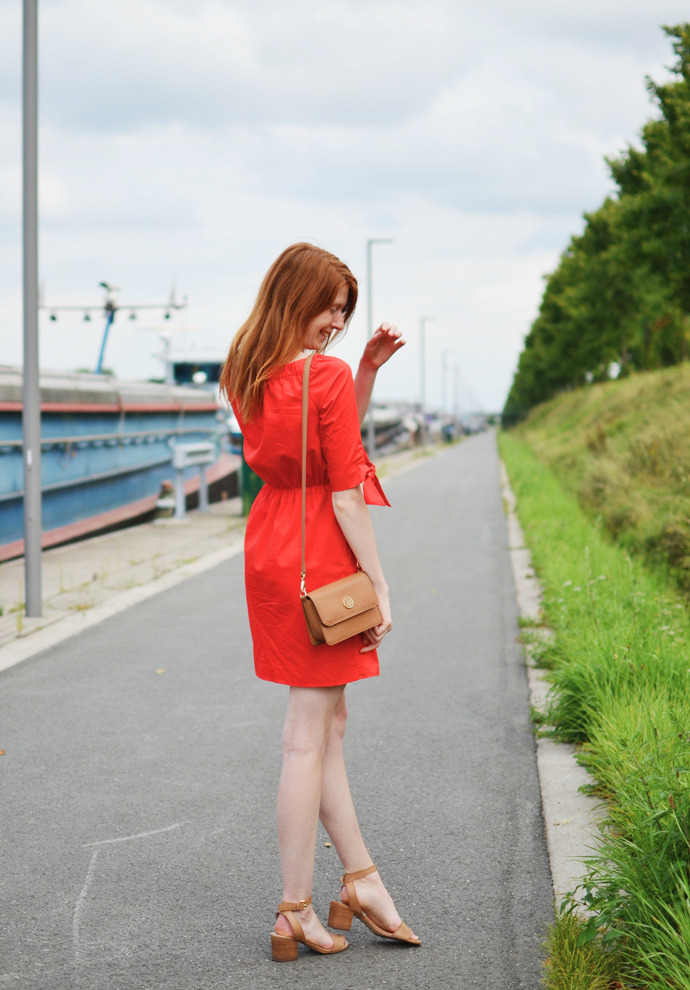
column 341, row 441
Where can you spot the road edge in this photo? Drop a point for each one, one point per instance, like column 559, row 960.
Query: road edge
column 570, row 817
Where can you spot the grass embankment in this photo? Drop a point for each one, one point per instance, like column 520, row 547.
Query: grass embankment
column 619, row 663
column 624, row 449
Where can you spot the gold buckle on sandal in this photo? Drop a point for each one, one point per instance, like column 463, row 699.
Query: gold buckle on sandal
column 302, row 905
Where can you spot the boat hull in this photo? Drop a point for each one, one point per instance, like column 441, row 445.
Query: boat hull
column 104, row 452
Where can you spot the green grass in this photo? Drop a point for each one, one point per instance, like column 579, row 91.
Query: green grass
column 573, row 964
column 619, row 663
column 623, row 448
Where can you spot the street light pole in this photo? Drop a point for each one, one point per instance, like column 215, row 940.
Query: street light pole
column 371, row 435
column 422, row 367
column 31, row 392
column 444, row 374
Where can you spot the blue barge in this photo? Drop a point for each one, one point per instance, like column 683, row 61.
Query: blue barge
column 106, row 447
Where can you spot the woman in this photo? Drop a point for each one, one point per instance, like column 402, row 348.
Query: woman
column 305, row 301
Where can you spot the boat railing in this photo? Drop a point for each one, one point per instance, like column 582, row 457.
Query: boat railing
column 113, row 439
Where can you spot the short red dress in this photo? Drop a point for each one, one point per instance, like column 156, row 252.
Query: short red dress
column 336, row 461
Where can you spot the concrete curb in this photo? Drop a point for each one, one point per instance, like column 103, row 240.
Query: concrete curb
column 570, row 817
column 42, row 639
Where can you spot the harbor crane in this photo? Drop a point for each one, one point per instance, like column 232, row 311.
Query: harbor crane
column 110, row 307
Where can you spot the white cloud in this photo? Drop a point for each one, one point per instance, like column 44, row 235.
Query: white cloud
column 199, row 138
column 52, row 195
column 210, row 64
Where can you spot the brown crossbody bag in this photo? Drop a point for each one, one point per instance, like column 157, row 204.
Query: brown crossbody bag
column 343, row 608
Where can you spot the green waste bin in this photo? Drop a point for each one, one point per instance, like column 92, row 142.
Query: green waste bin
column 250, row 483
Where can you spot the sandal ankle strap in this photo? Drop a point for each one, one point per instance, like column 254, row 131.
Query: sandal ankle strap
column 349, row 877
column 297, row 906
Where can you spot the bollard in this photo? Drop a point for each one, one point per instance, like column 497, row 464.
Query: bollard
column 203, row 489
column 180, row 500
column 185, row 455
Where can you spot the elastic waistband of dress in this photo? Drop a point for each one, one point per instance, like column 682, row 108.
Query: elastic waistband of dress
column 280, row 488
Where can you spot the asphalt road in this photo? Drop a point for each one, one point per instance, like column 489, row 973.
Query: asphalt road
column 138, row 846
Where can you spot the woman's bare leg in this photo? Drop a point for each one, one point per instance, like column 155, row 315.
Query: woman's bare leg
column 338, row 816
column 307, row 724
column 337, row 810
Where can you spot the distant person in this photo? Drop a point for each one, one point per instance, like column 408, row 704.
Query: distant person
column 305, row 301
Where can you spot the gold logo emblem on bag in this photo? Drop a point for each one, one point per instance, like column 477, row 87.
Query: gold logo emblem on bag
column 348, row 602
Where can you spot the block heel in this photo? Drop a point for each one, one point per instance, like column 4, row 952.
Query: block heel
column 337, row 920
column 340, row 916
column 283, row 948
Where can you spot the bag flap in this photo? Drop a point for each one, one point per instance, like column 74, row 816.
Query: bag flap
column 343, row 599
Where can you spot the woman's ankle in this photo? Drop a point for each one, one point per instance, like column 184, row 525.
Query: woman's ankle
column 361, row 869
column 301, row 916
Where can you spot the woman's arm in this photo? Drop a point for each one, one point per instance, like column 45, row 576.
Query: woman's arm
column 354, row 520
column 382, row 346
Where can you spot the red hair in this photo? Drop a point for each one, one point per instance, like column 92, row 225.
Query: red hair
column 300, row 284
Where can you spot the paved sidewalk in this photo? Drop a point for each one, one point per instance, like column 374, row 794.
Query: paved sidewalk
column 142, row 756
column 79, row 576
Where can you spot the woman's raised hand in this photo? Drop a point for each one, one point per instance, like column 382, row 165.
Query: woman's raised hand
column 383, row 345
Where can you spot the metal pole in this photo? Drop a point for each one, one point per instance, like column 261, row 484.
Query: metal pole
column 422, row 367
column 371, row 434
column 110, row 316
column 180, row 498
column 370, row 315
column 444, row 383
column 203, row 489
column 31, row 404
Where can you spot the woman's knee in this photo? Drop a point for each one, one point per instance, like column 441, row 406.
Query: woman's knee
column 311, row 715
column 339, row 721
column 303, row 739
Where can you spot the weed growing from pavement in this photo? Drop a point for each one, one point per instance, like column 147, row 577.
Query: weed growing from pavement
column 619, row 665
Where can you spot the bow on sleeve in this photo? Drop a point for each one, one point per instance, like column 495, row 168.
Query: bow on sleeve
column 373, row 492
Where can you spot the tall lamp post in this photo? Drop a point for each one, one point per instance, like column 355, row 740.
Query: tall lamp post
column 371, row 435
column 422, row 369
column 31, row 393
column 444, row 383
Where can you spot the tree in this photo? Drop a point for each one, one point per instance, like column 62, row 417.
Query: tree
column 621, row 292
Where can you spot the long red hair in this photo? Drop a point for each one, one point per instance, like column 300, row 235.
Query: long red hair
column 300, row 284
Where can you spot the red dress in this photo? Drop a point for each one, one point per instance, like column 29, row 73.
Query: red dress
column 336, row 461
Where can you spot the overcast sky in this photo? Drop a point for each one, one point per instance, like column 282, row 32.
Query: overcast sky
column 198, row 139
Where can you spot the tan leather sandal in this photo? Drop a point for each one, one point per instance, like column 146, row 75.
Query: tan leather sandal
column 284, row 947
column 340, row 915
